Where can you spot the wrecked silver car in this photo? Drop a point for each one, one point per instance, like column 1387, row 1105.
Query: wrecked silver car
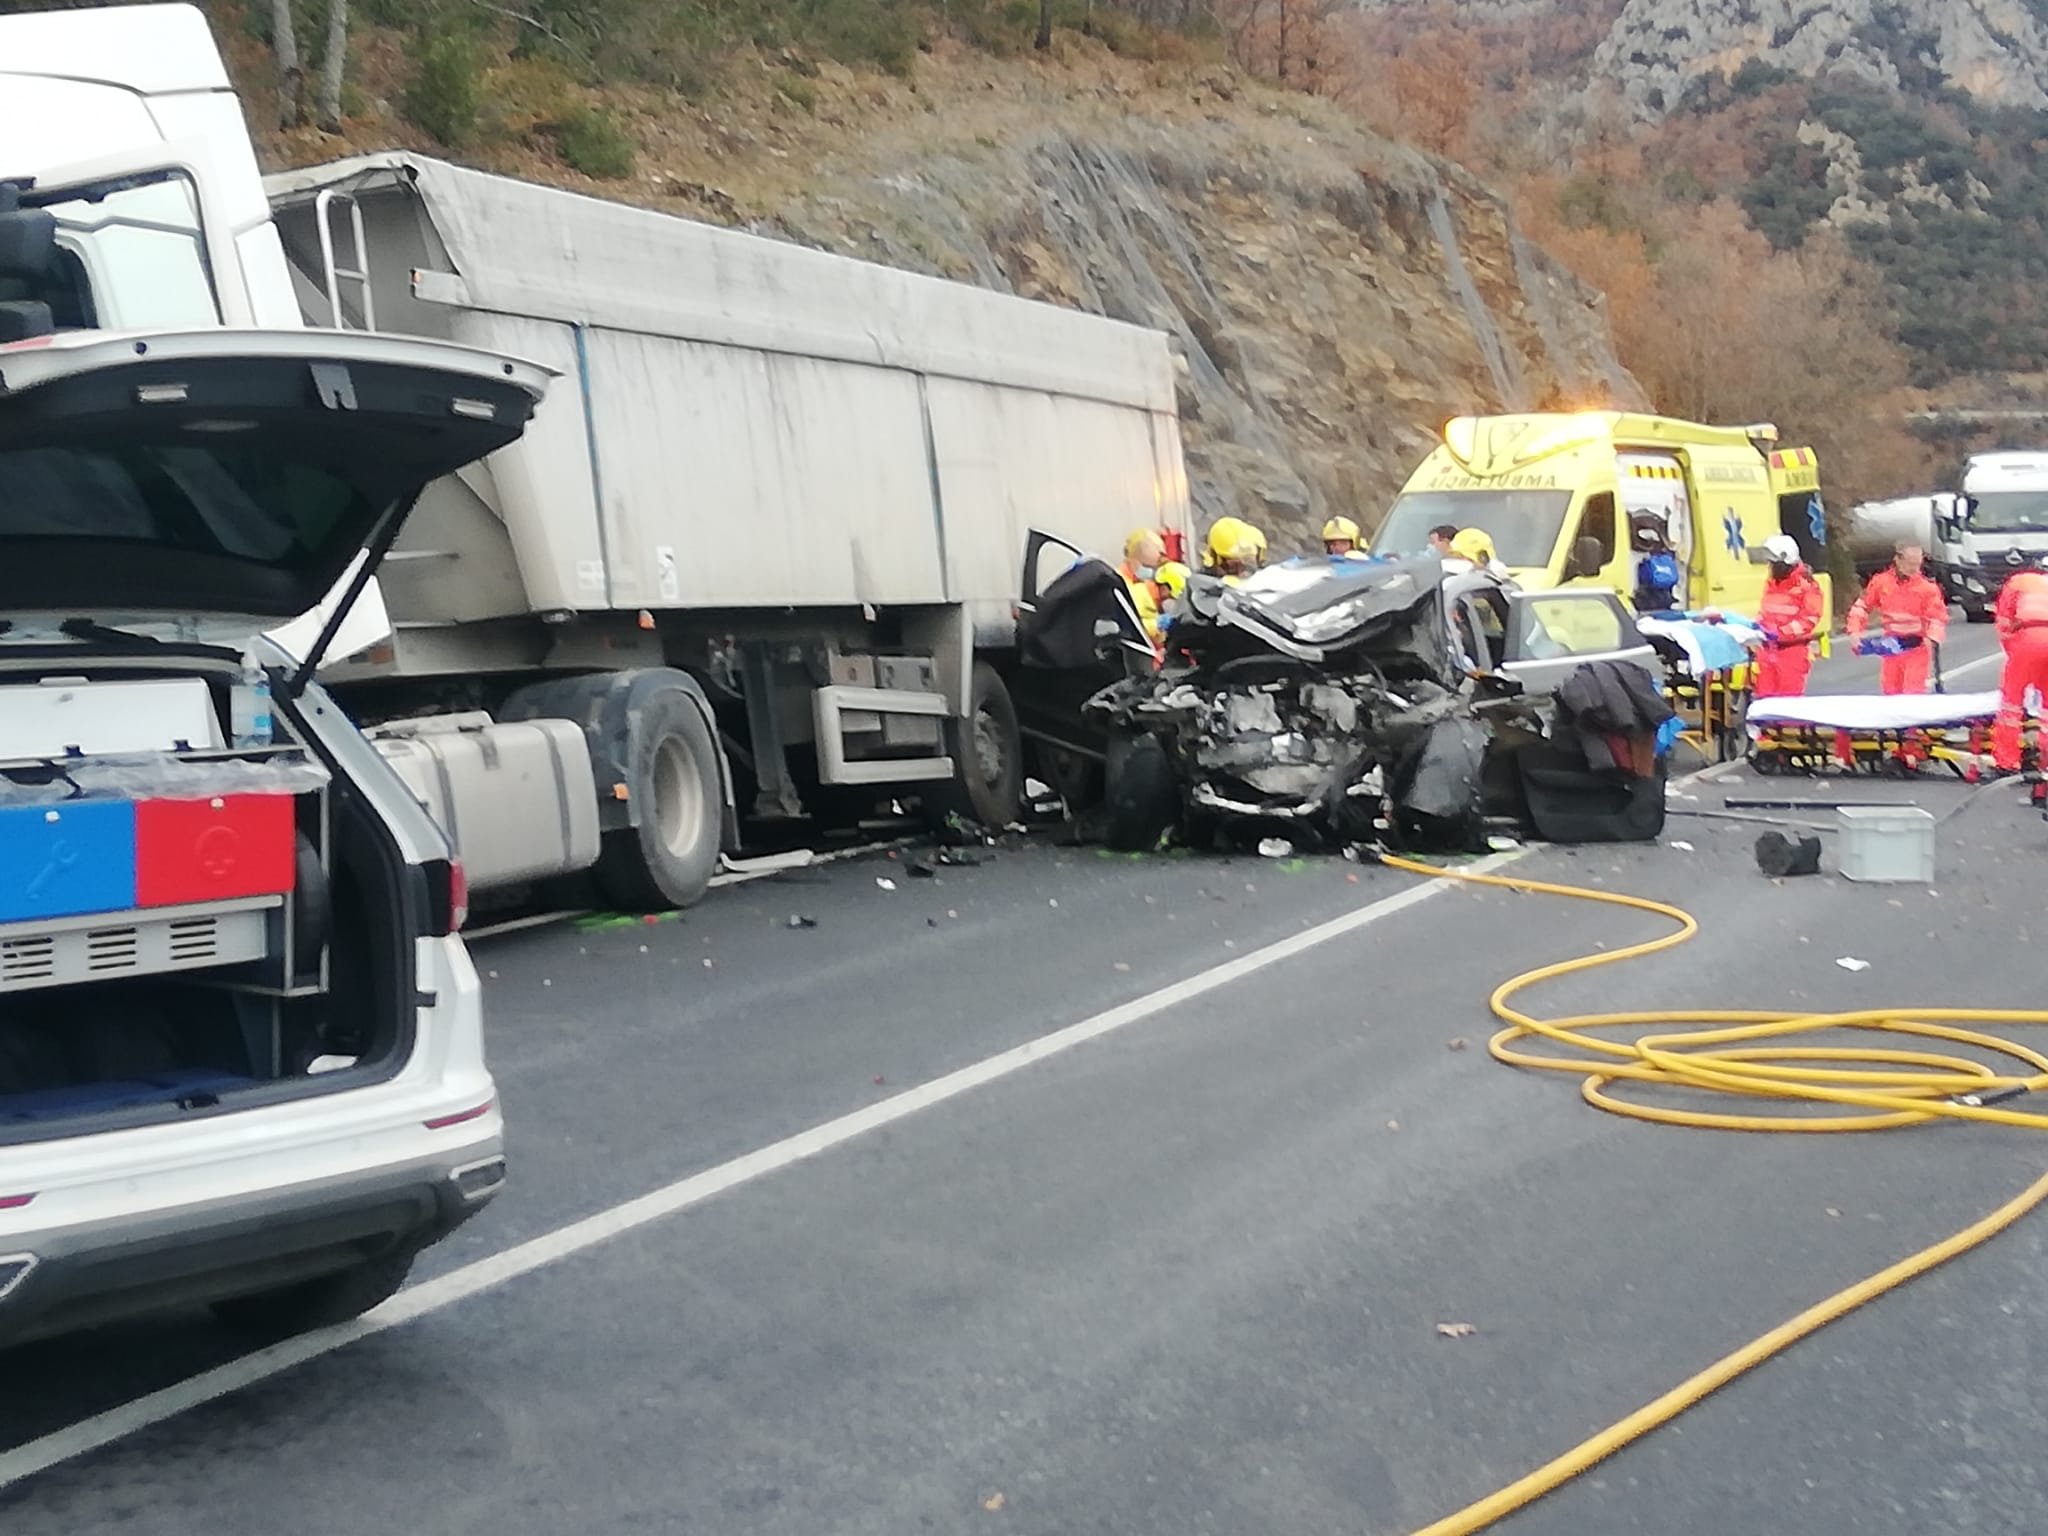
column 1336, row 701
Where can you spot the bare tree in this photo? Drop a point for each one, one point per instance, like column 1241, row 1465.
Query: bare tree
column 1044, row 38
column 333, row 64
column 291, row 77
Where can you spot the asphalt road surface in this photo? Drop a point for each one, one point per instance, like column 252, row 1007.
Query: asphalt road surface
column 1182, row 1275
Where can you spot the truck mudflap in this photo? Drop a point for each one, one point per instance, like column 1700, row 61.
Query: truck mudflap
column 608, row 707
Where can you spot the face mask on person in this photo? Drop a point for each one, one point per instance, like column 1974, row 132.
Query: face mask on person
column 1147, row 572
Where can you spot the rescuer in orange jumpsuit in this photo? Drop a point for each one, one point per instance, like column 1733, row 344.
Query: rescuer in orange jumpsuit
column 1790, row 616
column 1912, row 616
column 2022, row 616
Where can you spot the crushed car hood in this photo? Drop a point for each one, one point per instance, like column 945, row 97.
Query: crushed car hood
column 1318, row 609
column 215, row 476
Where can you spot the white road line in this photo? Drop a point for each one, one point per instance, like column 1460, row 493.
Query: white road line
column 566, row 1242
column 1971, row 666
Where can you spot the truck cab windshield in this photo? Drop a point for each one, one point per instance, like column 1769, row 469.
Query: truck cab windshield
column 2010, row 512
column 1523, row 525
column 131, row 256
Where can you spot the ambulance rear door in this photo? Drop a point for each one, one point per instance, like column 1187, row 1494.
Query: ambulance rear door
column 1654, row 496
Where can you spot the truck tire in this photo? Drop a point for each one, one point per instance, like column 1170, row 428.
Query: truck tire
column 668, row 859
column 987, row 749
column 318, row 1303
column 1141, row 797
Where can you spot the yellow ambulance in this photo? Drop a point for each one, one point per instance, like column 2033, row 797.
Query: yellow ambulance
column 1576, row 500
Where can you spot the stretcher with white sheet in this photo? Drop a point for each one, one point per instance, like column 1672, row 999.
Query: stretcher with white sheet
column 1876, row 733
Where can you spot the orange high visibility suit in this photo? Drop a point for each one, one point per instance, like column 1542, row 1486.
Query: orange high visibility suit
column 1790, row 616
column 2022, row 617
column 1908, row 608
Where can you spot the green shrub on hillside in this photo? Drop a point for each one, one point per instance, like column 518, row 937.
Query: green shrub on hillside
column 447, row 89
column 591, row 141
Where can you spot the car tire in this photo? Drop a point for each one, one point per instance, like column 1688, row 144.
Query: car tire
column 1141, row 795
column 668, row 859
column 319, row 1303
column 1977, row 615
column 987, row 748
column 1075, row 778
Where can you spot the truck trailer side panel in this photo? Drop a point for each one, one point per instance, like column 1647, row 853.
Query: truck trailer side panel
column 739, row 478
column 763, row 425
column 1012, row 460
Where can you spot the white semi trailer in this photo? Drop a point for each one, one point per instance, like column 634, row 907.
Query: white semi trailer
column 761, row 549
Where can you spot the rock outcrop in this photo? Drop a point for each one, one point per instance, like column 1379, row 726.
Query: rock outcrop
column 1995, row 49
column 1336, row 298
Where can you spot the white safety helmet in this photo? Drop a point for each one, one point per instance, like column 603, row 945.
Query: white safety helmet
column 1782, row 548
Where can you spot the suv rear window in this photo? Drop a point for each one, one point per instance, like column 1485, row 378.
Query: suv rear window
column 245, row 502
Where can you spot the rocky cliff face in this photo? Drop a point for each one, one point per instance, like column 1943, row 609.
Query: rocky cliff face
column 1995, row 49
column 1336, row 297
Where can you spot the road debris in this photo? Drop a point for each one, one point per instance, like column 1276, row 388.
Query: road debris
column 995, row 1503
column 885, row 882
column 1274, row 847
column 1851, row 963
column 1781, row 857
column 957, row 858
column 1456, row 1045
column 798, row 920
column 1456, row 1330
column 923, row 871
column 1682, row 846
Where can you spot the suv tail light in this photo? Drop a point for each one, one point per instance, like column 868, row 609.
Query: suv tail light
column 447, row 897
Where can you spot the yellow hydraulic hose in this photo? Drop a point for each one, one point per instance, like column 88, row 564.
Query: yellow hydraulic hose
column 1751, row 1055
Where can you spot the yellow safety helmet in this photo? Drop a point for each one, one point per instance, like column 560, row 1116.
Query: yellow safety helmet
column 1342, row 528
column 1173, row 577
column 1227, row 536
column 1137, row 538
column 1473, row 544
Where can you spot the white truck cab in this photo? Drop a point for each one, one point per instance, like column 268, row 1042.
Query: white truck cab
column 122, row 123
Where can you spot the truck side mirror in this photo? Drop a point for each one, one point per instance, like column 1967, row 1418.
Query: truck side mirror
column 28, row 237
column 28, row 248
column 1586, row 558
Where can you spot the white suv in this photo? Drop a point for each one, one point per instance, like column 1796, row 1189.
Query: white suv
column 241, row 1052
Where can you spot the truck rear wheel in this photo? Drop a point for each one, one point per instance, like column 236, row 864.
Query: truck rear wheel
column 988, row 757
column 667, row 860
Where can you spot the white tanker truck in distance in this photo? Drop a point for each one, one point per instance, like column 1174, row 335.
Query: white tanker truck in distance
column 1975, row 539
column 761, row 550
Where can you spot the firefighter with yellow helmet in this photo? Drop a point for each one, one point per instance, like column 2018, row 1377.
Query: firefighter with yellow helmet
column 1341, row 537
column 1233, row 550
column 1475, row 547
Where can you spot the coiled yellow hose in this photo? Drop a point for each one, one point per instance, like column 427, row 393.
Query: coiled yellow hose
column 1724, row 1052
